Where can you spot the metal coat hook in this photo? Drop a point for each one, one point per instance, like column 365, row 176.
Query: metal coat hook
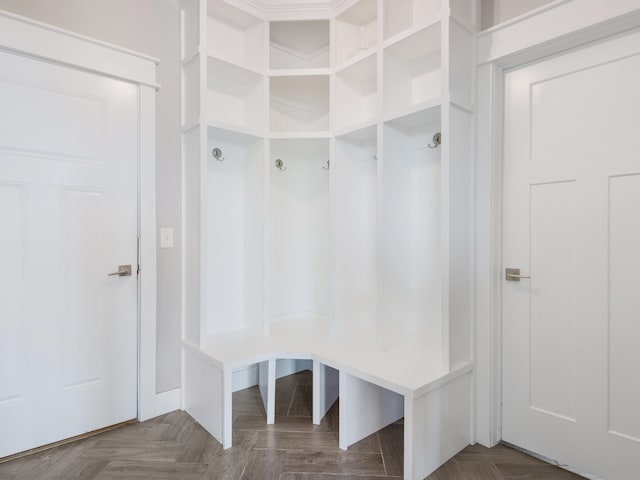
column 280, row 165
column 437, row 140
column 328, row 165
column 217, row 154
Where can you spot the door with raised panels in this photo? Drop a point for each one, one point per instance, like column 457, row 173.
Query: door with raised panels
column 571, row 330
column 68, row 219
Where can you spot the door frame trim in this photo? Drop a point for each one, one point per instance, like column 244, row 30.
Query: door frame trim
column 567, row 24
column 42, row 42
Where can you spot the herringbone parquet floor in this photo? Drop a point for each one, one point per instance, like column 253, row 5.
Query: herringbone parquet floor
column 175, row 447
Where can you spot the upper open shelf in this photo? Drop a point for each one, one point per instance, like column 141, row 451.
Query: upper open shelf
column 234, row 35
column 300, row 104
column 235, row 96
column 402, row 15
column 356, row 30
column 299, row 44
column 412, row 70
column 357, row 93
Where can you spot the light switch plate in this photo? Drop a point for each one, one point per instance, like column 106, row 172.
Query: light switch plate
column 166, row 237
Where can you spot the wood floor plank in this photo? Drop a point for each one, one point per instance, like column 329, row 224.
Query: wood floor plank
column 323, row 476
column 61, row 462
column 229, row 464
column 201, row 448
column 264, row 465
column 498, row 454
column 283, row 424
column 248, row 402
column 392, row 443
column 448, row 471
column 480, row 471
column 126, row 469
column 534, row 472
column 148, row 431
column 330, row 422
column 285, row 388
column 304, row 378
column 141, row 450
column 181, row 429
column 273, row 440
column 370, row 444
column 333, row 462
column 175, row 446
column 301, row 403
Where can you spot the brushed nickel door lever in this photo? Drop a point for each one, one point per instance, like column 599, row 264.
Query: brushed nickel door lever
column 513, row 275
column 123, row 271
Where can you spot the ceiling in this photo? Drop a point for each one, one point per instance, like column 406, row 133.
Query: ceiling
column 283, row 5
column 294, row 2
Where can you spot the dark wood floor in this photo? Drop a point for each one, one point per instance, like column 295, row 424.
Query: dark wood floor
column 175, row 447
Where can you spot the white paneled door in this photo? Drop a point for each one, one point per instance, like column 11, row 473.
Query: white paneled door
column 68, row 218
column 571, row 332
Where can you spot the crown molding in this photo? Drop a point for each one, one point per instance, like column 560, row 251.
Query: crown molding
column 320, row 8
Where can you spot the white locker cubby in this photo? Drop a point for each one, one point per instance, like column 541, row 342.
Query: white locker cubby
column 302, row 44
column 356, row 30
column 331, row 231
column 357, row 94
column 299, row 103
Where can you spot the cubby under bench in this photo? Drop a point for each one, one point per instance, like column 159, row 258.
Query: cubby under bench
column 376, row 387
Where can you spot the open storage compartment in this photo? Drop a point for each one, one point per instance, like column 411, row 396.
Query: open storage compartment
column 402, row 15
column 356, row 30
column 412, row 255
column 298, row 266
column 357, row 93
column 234, row 35
column 299, row 44
column 300, row 103
column 412, row 71
column 356, row 198
column 234, row 265
column 235, row 96
column 293, row 395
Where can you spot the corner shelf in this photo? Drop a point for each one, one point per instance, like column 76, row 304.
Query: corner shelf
column 413, row 70
column 235, row 35
column 299, row 103
column 235, row 95
column 236, row 133
column 402, row 15
column 301, row 135
column 357, row 93
column 355, row 128
column 300, row 72
column 299, row 44
column 356, row 30
column 428, row 108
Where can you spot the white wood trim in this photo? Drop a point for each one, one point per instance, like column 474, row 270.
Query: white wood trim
column 309, row 9
column 563, row 25
column 150, row 403
column 551, row 24
column 35, row 39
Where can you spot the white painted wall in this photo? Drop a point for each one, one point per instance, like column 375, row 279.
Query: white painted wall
column 498, row 11
column 151, row 27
